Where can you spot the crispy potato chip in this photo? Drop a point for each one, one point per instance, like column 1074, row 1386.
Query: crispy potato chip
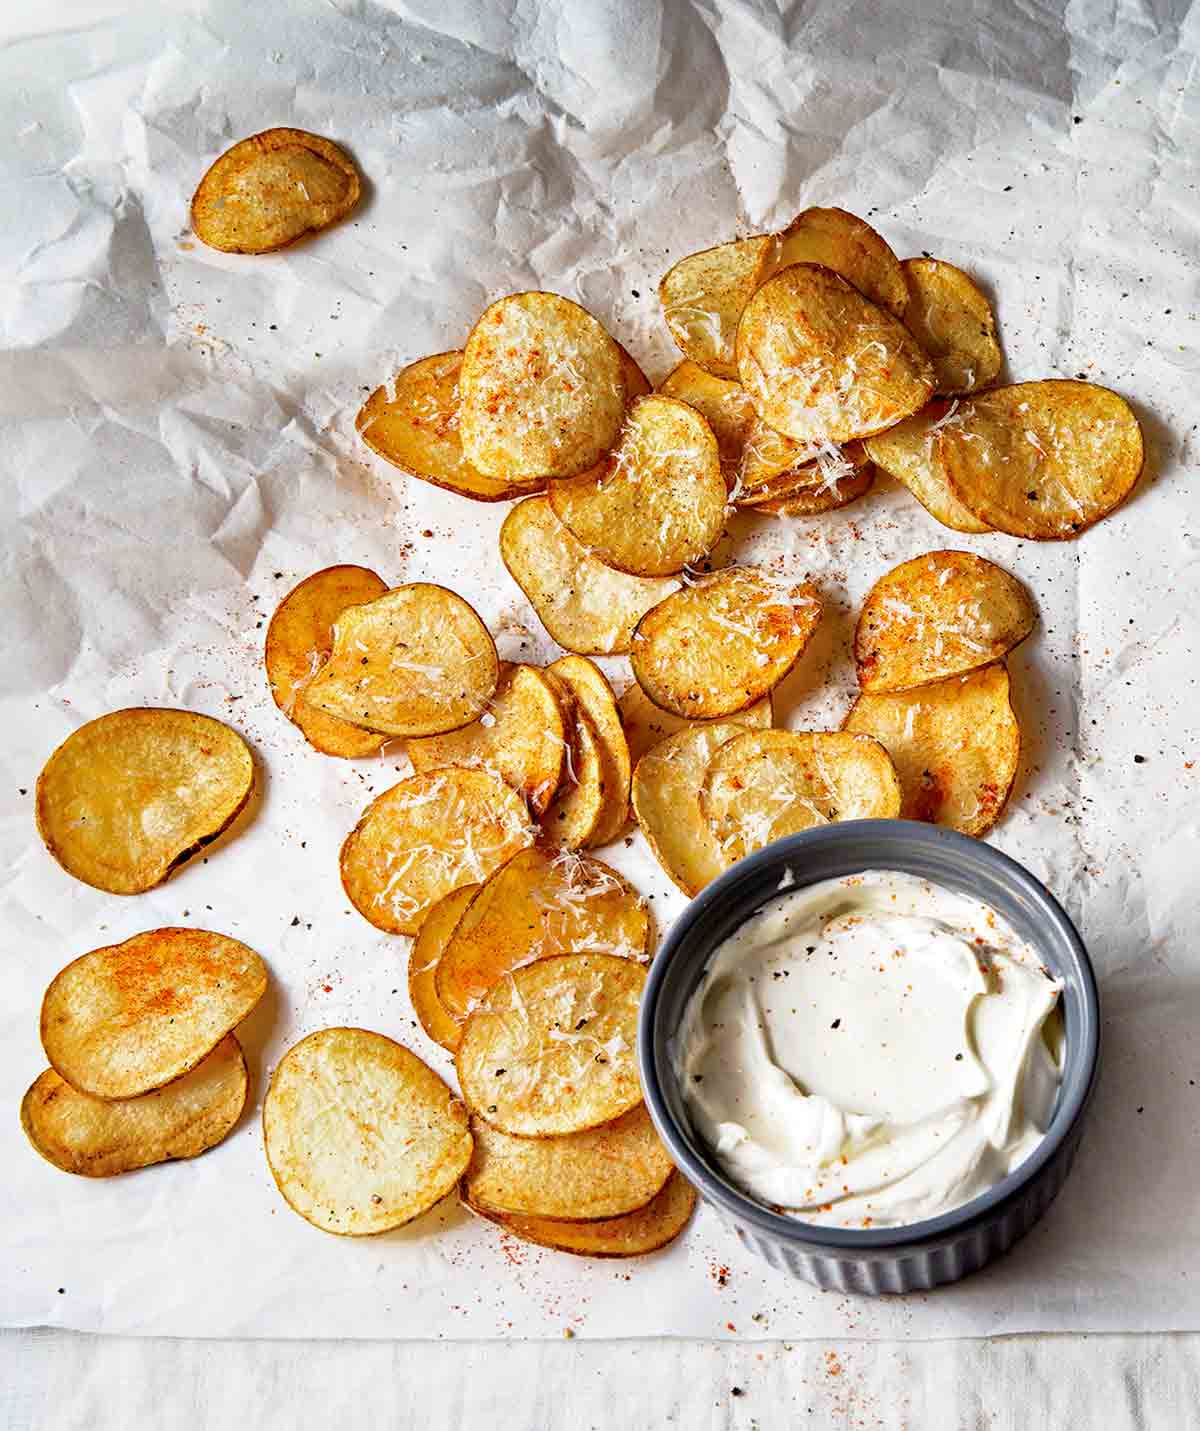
column 360, row 1135
column 520, row 738
column 299, row 640
column 637, row 384
column 666, row 801
column 723, row 642
column 703, row 297
column 552, row 1049
column 582, row 800
column 763, row 785
column 590, row 692
column 1042, row 460
column 424, row 838
column 536, row 905
column 835, row 477
column 941, row 614
column 272, row 189
column 954, row 323
column 436, row 928
column 807, row 501
column 955, row 744
column 769, row 455
column 128, row 1018
column 543, row 389
column 416, row 661
column 130, row 796
column 585, row 606
column 646, row 724
column 99, row 1138
column 601, row 1172
column 909, row 453
column 723, row 403
column 657, row 503
column 823, row 364
column 412, row 422
column 850, row 247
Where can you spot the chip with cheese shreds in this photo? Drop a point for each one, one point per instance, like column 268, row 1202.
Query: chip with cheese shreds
column 723, row 403
column 723, row 642
column 587, row 688
column 647, row 724
column 954, row 323
column 436, row 928
column 836, row 476
column 579, row 807
column 425, row 837
column 553, row 1047
column 909, row 453
column 941, row 614
column 763, row 785
column 807, row 501
column 703, row 296
column 849, row 246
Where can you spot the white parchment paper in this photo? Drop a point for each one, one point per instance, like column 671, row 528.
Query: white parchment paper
column 177, row 450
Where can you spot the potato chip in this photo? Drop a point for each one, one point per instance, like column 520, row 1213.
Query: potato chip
column 723, row 403
column 657, row 503
column 941, row 614
column 723, row 642
column 436, row 928
column 637, row 384
column 424, row 838
column 763, row 785
column 666, row 801
column 956, row 745
column 585, row 606
column 909, row 453
column 954, row 324
column 647, row 724
column 823, row 364
column 1042, row 460
column 703, row 297
column 412, row 422
column 416, row 661
column 272, row 189
column 130, row 796
column 850, row 247
column 128, row 1018
column 543, row 389
column 580, row 805
column 299, row 640
column 591, row 693
column 834, row 478
column 808, row 501
column 520, row 737
column 601, row 1172
column 633, row 1235
column 768, row 455
column 552, row 1049
column 540, row 903
column 360, row 1135
column 99, row 1138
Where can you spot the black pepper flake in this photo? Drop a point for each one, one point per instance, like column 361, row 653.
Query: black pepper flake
column 635, row 293
column 810, row 949
column 295, row 920
column 697, row 1078
column 836, row 1024
column 1139, row 760
column 1077, row 119
column 958, row 1058
column 1142, row 1109
column 736, row 1391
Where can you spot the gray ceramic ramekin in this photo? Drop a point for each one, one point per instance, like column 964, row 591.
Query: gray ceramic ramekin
column 939, row 1249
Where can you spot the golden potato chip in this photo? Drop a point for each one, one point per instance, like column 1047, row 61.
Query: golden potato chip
column 723, row 403
column 955, row 744
column 585, row 606
column 130, row 796
column 703, row 297
column 666, row 801
column 850, row 247
column 540, row 903
column 412, row 422
column 836, row 476
column 580, row 805
column 954, row 323
column 769, row 455
column 1042, row 460
column 520, row 738
column 552, row 1049
column 543, row 389
column 425, row 837
column 99, row 1138
column 723, row 642
column 416, row 661
column 941, row 614
column 130, row 1017
column 657, row 502
column 632, row 1235
column 589, row 691
column 272, row 189
column 600, row 1172
column 765, row 784
column 646, row 724
column 360, row 1135
column 807, row 501
column 436, row 928
column 299, row 640
column 909, row 453
column 637, row 384
column 823, row 364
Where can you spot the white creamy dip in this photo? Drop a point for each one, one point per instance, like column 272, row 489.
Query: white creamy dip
column 871, row 1051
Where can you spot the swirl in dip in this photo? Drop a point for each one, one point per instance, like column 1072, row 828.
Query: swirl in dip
column 871, row 1051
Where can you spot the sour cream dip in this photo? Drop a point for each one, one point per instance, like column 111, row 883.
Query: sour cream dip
column 871, row 1051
